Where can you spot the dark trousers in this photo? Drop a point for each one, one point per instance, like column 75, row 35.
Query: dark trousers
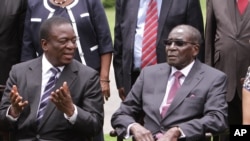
column 234, row 116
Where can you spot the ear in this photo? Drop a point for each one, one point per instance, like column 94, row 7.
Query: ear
column 44, row 44
column 196, row 50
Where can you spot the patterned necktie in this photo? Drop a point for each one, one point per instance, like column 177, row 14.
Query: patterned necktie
column 150, row 35
column 242, row 5
column 176, row 85
column 45, row 96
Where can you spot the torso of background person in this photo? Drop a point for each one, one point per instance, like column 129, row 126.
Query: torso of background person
column 172, row 13
column 92, row 28
column 12, row 14
column 228, row 42
column 54, row 126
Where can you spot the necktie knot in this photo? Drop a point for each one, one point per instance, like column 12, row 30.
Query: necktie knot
column 178, row 74
column 55, row 70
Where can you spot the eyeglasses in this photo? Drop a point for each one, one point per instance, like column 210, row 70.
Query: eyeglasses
column 179, row 43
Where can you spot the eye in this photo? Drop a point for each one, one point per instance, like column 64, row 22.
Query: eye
column 179, row 43
column 63, row 41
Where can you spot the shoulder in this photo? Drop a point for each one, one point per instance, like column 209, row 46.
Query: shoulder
column 83, row 68
column 211, row 70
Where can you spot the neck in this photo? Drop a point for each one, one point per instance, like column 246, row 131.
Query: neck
column 59, row 2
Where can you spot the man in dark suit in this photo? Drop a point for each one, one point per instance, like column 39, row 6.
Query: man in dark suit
column 12, row 14
column 129, row 28
column 199, row 105
column 74, row 110
column 227, row 47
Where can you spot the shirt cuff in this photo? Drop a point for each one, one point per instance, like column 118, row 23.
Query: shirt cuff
column 128, row 135
column 72, row 119
column 182, row 133
column 9, row 116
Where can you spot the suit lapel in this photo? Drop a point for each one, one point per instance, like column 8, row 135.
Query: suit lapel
column 231, row 11
column 245, row 19
column 193, row 78
column 34, row 79
column 160, row 89
column 69, row 74
column 166, row 4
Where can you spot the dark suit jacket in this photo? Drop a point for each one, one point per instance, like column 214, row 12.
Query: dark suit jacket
column 199, row 105
column 227, row 44
column 86, row 94
column 173, row 13
column 92, row 27
column 12, row 14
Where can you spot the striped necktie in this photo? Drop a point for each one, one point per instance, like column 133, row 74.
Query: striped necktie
column 150, row 36
column 46, row 93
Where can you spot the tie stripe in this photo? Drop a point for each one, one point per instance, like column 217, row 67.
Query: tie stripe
column 149, row 36
column 47, row 90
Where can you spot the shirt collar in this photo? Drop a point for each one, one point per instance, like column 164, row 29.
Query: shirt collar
column 184, row 71
column 46, row 65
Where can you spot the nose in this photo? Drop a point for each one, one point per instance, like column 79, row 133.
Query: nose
column 172, row 46
column 71, row 44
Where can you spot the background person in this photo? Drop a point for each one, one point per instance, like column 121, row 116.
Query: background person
column 12, row 14
column 227, row 48
column 131, row 31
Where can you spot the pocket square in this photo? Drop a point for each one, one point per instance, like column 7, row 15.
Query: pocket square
column 192, row 95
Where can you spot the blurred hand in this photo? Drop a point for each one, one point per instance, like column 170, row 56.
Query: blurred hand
column 17, row 103
column 62, row 99
column 121, row 92
column 105, row 90
column 172, row 134
column 242, row 80
column 140, row 133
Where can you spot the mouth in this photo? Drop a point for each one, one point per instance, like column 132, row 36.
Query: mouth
column 68, row 55
column 172, row 56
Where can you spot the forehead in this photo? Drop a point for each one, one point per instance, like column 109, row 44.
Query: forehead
column 62, row 30
column 179, row 33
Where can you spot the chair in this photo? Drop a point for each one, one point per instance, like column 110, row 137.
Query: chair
column 209, row 136
column 4, row 136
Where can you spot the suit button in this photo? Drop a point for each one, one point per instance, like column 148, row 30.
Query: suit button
column 38, row 136
column 162, row 128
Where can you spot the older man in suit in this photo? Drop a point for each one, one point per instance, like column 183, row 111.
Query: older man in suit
column 196, row 107
column 130, row 30
column 65, row 107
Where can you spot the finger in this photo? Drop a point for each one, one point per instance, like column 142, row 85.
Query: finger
column 14, row 88
column 66, row 89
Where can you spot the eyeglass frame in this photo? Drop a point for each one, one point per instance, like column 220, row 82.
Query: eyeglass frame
column 177, row 41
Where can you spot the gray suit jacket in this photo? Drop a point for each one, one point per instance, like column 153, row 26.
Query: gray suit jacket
column 173, row 13
column 199, row 106
column 227, row 43
column 86, row 94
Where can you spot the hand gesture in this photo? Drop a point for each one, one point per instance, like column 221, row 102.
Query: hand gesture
column 140, row 133
column 172, row 134
column 62, row 99
column 17, row 103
